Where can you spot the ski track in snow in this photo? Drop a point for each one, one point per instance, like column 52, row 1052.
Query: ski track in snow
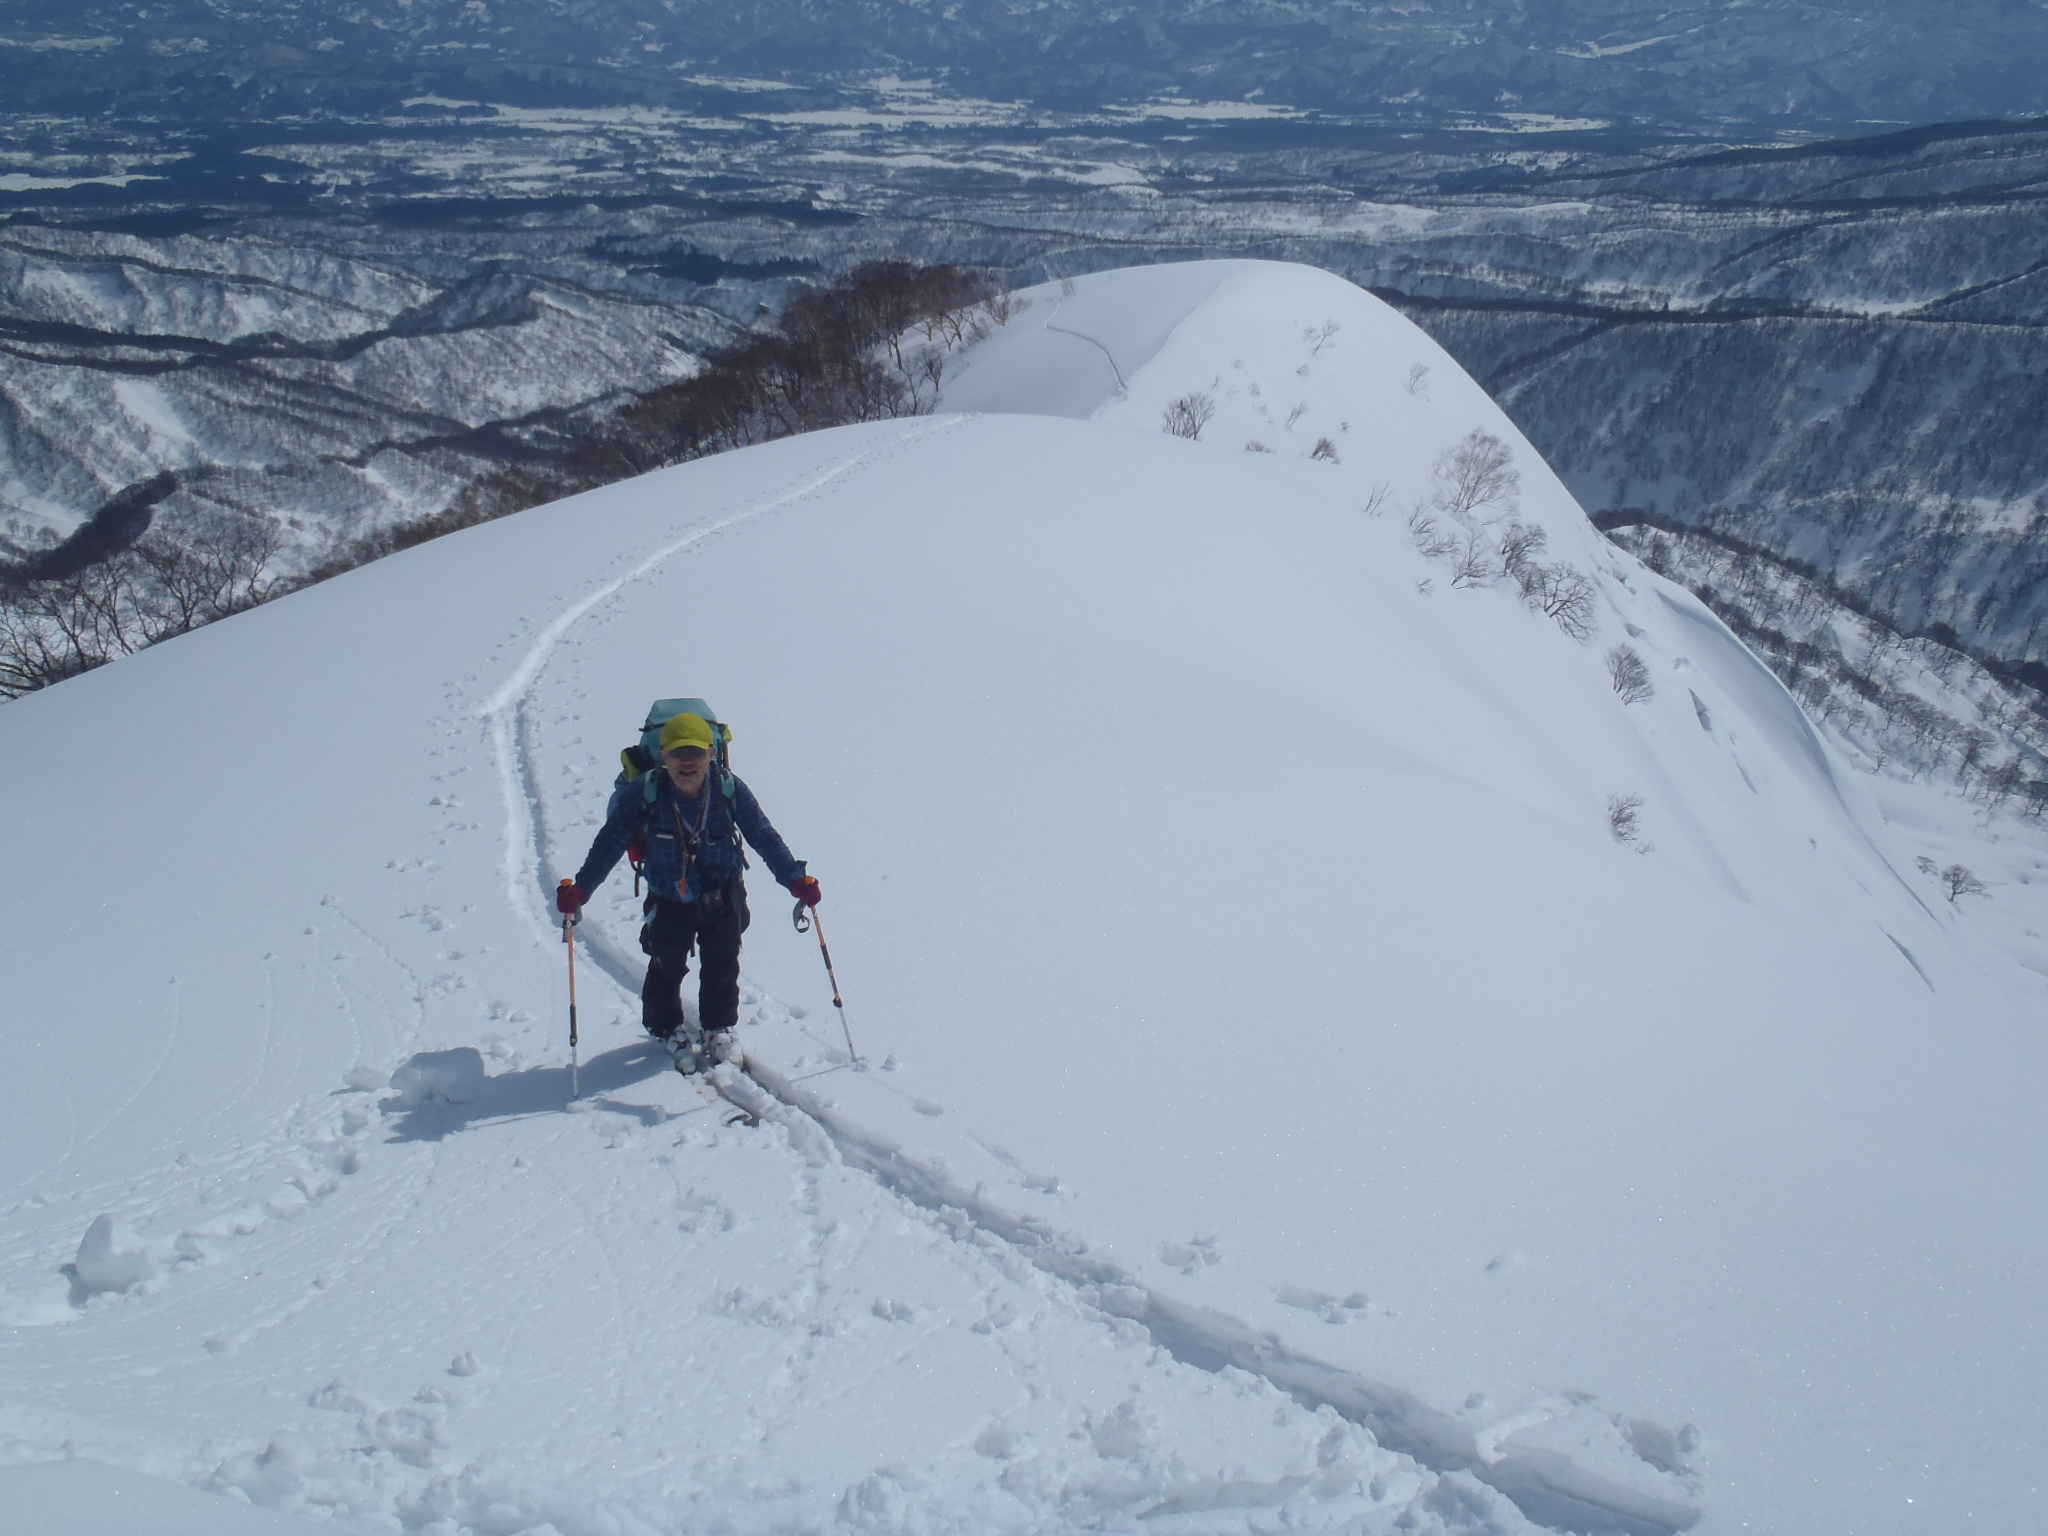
column 1122, row 388
column 411, row 1192
column 1548, row 1489
column 503, row 712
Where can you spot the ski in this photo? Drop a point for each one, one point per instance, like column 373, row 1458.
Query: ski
column 741, row 1114
column 693, row 1061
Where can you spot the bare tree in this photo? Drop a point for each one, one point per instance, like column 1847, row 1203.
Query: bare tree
column 1473, row 560
column 42, row 640
column 1563, row 594
column 1520, row 543
column 200, row 565
column 1972, row 743
column 1418, row 378
column 1324, row 450
column 1476, row 474
column 1187, row 416
column 2007, row 779
column 1958, row 881
column 1376, row 498
column 1427, row 534
column 1318, row 336
column 1004, row 307
column 926, row 369
column 1630, row 675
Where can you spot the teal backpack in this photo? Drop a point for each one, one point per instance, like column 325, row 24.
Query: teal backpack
column 639, row 761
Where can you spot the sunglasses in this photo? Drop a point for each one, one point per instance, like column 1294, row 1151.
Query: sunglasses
column 686, row 754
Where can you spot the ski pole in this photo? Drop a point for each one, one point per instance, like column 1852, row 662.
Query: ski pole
column 568, row 938
column 805, row 918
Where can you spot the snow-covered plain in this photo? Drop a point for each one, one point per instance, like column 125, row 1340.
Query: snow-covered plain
column 1288, row 1106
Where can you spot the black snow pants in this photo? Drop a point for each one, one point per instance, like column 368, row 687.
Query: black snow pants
column 712, row 925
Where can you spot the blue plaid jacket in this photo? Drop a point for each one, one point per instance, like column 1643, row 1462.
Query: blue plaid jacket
column 691, row 848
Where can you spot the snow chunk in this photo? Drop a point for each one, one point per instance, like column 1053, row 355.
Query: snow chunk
column 448, row 1077
column 109, row 1260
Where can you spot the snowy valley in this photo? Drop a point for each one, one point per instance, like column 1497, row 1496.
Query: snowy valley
column 1345, row 1047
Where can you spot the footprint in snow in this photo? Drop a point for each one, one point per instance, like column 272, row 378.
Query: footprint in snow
column 1329, row 1308
column 1189, row 1257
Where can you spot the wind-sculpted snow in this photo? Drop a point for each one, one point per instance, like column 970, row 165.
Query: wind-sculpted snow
column 1287, row 1105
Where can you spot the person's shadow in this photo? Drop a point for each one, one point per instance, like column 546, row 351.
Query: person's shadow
column 440, row 1092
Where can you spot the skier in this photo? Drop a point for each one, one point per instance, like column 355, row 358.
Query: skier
column 690, row 828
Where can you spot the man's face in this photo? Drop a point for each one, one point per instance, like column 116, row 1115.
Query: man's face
column 687, row 767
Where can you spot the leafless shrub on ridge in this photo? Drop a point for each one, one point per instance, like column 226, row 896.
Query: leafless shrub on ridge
column 1630, row 675
column 1004, row 307
column 1427, row 534
column 1187, row 416
column 1624, row 821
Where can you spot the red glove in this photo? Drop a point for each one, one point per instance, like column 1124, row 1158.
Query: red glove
column 569, row 898
column 806, row 891
column 636, row 852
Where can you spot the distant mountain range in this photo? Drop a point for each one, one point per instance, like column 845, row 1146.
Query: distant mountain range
column 1784, row 63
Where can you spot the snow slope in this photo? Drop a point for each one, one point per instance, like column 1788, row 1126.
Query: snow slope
column 1288, row 1105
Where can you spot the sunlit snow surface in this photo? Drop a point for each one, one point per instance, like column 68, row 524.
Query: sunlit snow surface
column 1288, row 1106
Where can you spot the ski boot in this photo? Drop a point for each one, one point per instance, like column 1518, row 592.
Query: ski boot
column 682, row 1050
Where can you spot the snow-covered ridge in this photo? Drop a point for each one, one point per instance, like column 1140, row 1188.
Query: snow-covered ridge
column 1259, row 1001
